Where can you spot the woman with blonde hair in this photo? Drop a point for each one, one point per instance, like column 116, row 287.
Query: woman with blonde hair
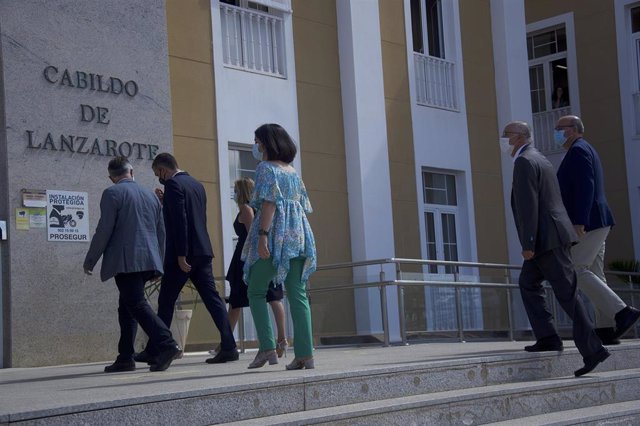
column 243, row 191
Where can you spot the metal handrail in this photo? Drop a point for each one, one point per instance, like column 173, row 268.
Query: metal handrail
column 383, row 283
column 398, row 260
column 402, row 283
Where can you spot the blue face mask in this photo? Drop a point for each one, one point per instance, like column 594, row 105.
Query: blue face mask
column 558, row 137
column 255, row 150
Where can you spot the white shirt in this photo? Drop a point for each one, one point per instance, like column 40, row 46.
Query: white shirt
column 519, row 151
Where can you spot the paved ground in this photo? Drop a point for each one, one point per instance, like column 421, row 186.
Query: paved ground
column 48, row 389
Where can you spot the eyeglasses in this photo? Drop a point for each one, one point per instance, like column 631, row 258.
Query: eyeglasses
column 505, row 133
column 565, row 127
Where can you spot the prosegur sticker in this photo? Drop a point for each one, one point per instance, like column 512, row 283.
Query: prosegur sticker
column 67, row 216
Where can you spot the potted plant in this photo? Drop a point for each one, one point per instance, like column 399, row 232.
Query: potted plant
column 185, row 305
column 626, row 266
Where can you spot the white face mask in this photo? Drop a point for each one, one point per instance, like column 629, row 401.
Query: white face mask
column 505, row 147
column 255, row 150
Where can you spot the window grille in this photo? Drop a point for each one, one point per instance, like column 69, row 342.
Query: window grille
column 252, row 39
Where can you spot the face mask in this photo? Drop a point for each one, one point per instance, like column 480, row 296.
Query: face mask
column 505, row 147
column 558, row 137
column 162, row 181
column 255, row 150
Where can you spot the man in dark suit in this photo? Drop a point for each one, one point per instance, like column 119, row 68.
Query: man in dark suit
column 581, row 181
column 130, row 235
column 546, row 235
column 188, row 252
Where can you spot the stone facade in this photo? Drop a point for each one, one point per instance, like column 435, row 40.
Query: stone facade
column 80, row 83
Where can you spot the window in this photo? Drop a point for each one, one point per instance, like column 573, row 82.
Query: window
column 253, row 36
column 241, row 164
column 441, row 213
column 548, row 82
column 426, row 25
column 635, row 43
column 548, row 73
column 635, row 20
column 435, row 75
column 442, row 219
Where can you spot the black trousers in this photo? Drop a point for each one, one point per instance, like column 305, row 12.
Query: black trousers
column 556, row 267
column 201, row 276
column 133, row 309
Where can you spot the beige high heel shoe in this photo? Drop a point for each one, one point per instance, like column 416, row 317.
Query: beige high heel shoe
column 281, row 348
column 262, row 358
column 300, row 363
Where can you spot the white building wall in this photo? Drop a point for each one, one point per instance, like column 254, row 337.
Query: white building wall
column 627, row 77
column 441, row 137
column 244, row 101
column 512, row 92
column 368, row 179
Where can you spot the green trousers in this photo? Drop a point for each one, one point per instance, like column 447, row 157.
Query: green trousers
column 260, row 274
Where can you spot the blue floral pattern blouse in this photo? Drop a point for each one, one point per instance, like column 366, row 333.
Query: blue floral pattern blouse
column 290, row 235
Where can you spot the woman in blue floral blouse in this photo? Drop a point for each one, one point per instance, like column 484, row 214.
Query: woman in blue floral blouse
column 280, row 246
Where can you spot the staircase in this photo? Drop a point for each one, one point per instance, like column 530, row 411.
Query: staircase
column 426, row 384
column 536, row 389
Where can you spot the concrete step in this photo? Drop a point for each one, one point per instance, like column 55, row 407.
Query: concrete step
column 193, row 393
column 511, row 403
column 621, row 413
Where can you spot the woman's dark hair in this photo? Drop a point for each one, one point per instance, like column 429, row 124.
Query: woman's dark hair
column 277, row 142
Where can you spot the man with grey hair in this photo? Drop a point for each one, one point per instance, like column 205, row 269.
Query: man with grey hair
column 581, row 180
column 546, row 235
column 130, row 238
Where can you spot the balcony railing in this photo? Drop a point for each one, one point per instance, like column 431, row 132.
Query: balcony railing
column 435, row 82
column 252, row 40
column 636, row 112
column 543, row 125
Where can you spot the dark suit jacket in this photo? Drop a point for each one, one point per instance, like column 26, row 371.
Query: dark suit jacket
column 185, row 218
column 541, row 219
column 130, row 233
column 582, row 186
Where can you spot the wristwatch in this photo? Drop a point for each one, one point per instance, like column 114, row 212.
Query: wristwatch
column 263, row 232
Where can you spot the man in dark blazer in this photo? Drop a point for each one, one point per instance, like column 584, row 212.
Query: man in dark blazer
column 188, row 252
column 581, row 181
column 130, row 238
column 546, row 235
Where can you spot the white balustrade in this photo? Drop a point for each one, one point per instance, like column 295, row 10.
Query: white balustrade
column 543, row 125
column 435, row 82
column 252, row 40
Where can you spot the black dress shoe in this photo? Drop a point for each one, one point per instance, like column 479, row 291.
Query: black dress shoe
column 224, row 356
column 607, row 336
column 625, row 320
column 164, row 358
column 144, row 356
column 120, row 366
column 546, row 344
column 592, row 362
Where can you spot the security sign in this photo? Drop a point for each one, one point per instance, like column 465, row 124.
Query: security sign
column 67, row 216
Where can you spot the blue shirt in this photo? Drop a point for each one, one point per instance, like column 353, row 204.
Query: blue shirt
column 290, row 235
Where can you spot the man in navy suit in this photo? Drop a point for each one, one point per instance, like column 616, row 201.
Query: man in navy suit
column 130, row 238
column 581, row 182
column 188, row 252
column 546, row 235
